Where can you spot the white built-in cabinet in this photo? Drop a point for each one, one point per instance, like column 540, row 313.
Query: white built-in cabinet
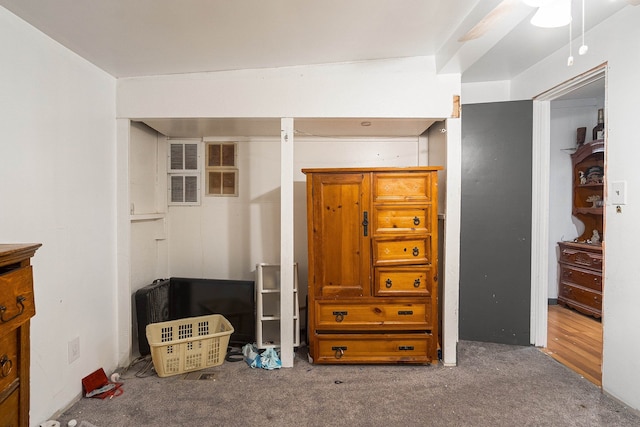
column 268, row 306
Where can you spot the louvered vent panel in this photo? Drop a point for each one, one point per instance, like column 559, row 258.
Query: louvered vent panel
column 177, row 189
column 177, row 158
column 191, row 156
column 191, row 189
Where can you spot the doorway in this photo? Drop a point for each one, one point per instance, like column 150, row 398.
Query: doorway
column 557, row 115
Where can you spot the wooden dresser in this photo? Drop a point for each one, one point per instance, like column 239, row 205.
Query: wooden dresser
column 373, row 286
column 16, row 308
column 581, row 277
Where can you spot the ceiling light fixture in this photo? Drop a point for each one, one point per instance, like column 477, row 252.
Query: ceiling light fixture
column 584, row 48
column 557, row 13
column 552, row 14
column 536, row 3
column 570, row 58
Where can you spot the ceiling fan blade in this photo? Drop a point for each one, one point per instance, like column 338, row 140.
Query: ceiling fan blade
column 490, row 19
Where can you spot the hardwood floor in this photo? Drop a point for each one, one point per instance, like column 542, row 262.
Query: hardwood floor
column 575, row 340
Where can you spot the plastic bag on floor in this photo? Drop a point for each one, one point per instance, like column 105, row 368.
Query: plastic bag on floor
column 269, row 358
column 251, row 355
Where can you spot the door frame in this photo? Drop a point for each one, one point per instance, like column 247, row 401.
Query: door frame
column 541, row 144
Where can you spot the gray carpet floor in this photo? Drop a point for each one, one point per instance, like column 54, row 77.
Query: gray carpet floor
column 493, row 385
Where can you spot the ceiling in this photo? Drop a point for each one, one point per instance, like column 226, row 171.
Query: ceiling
column 321, row 127
column 153, row 37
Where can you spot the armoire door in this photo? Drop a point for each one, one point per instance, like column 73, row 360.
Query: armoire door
column 341, row 248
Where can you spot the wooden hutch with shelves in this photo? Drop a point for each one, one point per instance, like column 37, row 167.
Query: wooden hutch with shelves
column 581, row 281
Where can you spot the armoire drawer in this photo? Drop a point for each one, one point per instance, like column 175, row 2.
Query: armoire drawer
column 402, row 251
column 378, row 315
column 403, row 281
column 405, row 187
column 374, row 348
column 390, row 219
column 16, row 298
column 586, row 278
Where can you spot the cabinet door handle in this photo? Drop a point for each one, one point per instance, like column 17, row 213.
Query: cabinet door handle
column 19, row 302
column 365, row 223
column 416, row 283
column 416, row 251
column 5, row 365
column 388, row 283
column 405, row 348
column 416, row 220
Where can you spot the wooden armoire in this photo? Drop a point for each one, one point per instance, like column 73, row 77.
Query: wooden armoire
column 373, row 263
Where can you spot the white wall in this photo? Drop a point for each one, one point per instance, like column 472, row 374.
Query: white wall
column 566, row 117
column 405, row 87
column 617, row 42
column 481, row 92
column 149, row 246
column 57, row 168
column 147, row 196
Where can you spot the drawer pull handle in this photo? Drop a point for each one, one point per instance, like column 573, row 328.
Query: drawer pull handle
column 405, row 312
column 339, row 351
column 416, row 283
column 339, row 315
column 416, row 220
column 405, row 348
column 388, row 283
column 19, row 302
column 416, row 251
column 6, row 365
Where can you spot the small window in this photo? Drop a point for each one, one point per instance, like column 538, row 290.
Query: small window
column 221, row 169
column 184, row 173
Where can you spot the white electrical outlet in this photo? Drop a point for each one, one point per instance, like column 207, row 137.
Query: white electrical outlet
column 74, row 349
